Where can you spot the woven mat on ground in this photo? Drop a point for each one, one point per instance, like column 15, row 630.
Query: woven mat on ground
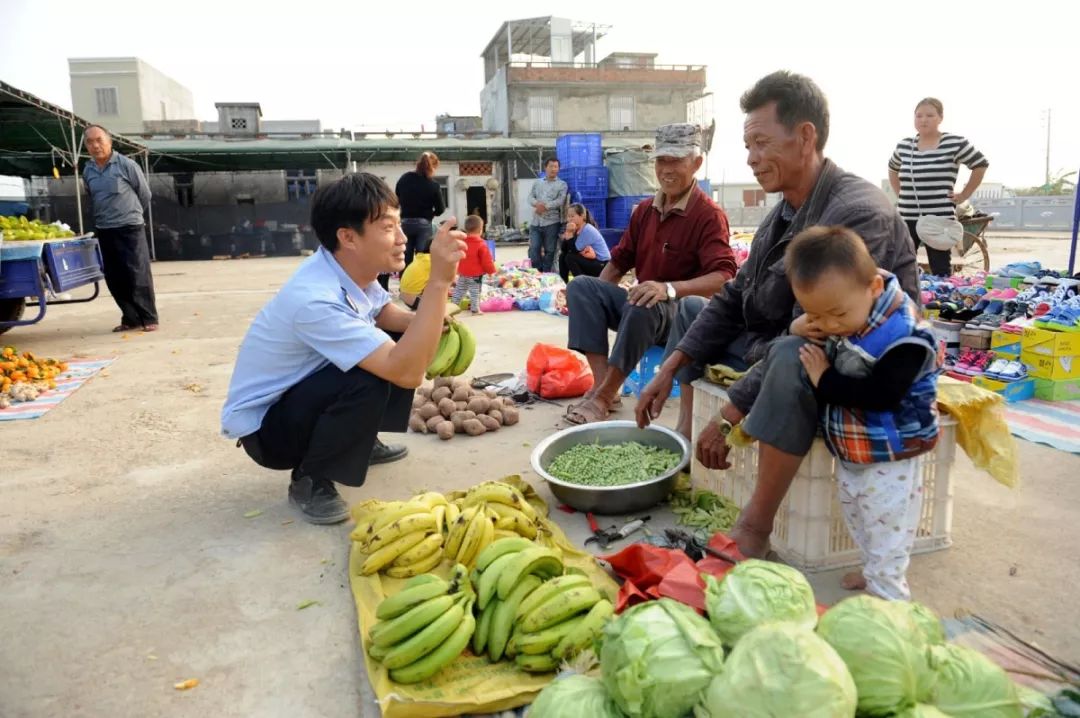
column 1053, row 423
column 79, row 372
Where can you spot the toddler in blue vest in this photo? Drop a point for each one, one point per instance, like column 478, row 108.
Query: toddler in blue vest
column 874, row 365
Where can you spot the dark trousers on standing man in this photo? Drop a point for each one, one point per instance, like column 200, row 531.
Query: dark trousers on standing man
column 325, row 427
column 596, row 307
column 127, row 273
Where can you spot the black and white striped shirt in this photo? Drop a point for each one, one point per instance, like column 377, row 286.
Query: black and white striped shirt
column 927, row 176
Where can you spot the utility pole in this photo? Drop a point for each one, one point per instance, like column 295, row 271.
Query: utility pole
column 1047, row 181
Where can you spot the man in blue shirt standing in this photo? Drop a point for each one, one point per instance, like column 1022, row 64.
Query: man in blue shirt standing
column 547, row 198
column 119, row 195
column 319, row 372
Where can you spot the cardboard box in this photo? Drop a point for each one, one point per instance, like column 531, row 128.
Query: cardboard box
column 1011, row 391
column 975, row 338
column 1057, row 368
column 1051, row 344
column 1011, row 356
column 1005, row 343
column 1047, row 390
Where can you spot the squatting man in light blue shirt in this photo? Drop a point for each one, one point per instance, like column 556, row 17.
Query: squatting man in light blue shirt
column 329, row 361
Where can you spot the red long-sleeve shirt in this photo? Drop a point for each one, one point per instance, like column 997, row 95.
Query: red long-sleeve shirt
column 688, row 242
column 477, row 260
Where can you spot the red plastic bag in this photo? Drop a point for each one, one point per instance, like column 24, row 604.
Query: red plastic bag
column 651, row 572
column 557, row 373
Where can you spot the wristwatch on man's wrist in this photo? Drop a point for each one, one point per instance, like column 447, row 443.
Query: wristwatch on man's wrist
column 671, row 293
column 725, row 426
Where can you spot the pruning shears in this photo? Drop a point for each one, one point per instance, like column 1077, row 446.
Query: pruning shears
column 606, row 537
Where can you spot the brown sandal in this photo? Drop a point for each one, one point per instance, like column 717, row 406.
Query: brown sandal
column 123, row 328
column 587, row 412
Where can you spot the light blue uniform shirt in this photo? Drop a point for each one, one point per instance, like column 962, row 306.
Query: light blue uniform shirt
column 590, row 236
column 319, row 317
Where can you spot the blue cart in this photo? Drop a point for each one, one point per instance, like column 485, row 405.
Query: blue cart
column 33, row 270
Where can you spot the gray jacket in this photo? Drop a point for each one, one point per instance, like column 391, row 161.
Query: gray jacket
column 119, row 194
column 553, row 195
column 759, row 302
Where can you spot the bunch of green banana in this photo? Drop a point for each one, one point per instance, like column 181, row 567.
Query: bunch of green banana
column 457, row 349
column 507, row 573
column 403, row 538
column 424, row 626
column 557, row 621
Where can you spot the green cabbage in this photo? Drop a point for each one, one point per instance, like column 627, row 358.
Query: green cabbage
column 970, row 684
column 576, row 695
column 657, row 657
column 757, row 592
column 922, row 710
column 929, row 624
column 780, row 669
column 885, row 651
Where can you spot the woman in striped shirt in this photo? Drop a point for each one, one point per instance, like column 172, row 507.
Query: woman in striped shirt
column 923, row 171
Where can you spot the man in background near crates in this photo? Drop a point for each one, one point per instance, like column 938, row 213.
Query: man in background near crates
column 547, row 198
column 119, row 195
column 677, row 245
column 786, row 126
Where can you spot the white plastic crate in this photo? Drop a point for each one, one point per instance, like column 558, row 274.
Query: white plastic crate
column 809, row 531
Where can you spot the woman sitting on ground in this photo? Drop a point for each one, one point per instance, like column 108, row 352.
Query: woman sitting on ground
column 584, row 251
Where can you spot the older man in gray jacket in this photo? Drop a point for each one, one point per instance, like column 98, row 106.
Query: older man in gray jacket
column 786, row 127
column 119, row 195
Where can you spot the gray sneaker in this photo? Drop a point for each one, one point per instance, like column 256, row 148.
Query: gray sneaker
column 318, row 501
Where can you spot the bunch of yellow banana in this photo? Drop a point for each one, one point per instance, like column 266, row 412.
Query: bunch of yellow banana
column 558, row 620
column 469, row 533
column 403, row 538
column 424, row 626
column 456, row 351
column 512, row 514
column 507, row 573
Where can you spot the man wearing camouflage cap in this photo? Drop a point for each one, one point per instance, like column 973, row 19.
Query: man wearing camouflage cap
column 677, row 246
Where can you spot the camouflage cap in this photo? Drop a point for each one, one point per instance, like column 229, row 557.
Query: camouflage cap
column 677, row 140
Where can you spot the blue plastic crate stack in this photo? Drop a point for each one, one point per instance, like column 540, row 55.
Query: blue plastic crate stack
column 619, row 209
column 581, row 166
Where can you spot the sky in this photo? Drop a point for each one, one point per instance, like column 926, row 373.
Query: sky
column 997, row 67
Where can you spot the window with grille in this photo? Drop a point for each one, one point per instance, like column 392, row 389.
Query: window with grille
column 542, row 113
column 239, row 123
column 300, row 183
column 106, row 100
column 621, row 112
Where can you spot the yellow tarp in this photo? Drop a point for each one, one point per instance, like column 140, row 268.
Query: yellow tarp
column 981, row 429
column 470, row 684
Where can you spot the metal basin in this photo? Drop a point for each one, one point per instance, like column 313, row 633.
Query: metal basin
column 611, row 500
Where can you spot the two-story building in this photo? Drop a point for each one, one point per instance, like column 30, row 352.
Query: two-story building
column 542, row 78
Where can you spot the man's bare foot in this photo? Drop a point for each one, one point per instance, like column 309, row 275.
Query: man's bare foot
column 752, row 543
column 853, row 581
column 685, row 431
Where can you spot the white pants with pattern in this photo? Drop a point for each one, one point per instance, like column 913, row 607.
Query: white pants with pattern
column 472, row 285
column 882, row 505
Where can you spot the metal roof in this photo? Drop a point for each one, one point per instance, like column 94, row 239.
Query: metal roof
column 210, row 155
column 532, row 36
column 36, row 135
